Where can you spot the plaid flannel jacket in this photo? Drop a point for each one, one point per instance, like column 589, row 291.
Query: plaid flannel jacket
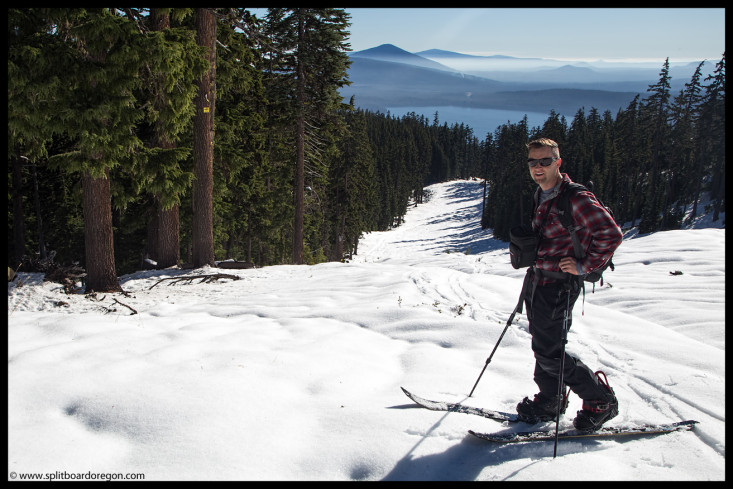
column 599, row 235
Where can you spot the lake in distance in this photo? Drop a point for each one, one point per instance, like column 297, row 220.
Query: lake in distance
column 482, row 121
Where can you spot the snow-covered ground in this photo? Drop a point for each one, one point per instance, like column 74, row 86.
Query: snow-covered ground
column 294, row 372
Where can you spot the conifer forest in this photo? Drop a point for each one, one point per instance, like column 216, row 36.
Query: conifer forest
column 183, row 136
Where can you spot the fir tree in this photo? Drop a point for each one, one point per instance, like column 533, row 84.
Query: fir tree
column 631, row 179
column 174, row 62
column 97, row 107
column 242, row 203
column 312, row 57
column 712, row 134
column 359, row 199
column 577, row 153
column 29, row 97
column 203, row 145
column 684, row 114
column 656, row 115
column 510, row 186
column 555, row 128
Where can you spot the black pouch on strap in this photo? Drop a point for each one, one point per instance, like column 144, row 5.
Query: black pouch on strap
column 523, row 243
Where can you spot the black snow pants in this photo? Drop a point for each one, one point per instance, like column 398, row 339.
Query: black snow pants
column 545, row 311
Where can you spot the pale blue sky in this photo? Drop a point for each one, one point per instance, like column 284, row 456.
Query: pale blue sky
column 682, row 34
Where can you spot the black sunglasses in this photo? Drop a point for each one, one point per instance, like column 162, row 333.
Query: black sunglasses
column 541, row 161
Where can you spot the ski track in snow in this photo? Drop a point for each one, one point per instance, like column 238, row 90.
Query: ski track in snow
column 697, row 290
column 421, row 305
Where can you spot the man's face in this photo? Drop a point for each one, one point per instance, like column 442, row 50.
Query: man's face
column 544, row 176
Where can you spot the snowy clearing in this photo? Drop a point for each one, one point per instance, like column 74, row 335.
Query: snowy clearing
column 294, row 372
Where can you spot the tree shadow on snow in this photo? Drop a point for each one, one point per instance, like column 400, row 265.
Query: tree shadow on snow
column 465, row 223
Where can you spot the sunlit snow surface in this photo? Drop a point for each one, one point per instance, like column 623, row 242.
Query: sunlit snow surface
column 294, row 372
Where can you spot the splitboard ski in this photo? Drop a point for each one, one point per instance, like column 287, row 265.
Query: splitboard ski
column 611, row 431
column 460, row 408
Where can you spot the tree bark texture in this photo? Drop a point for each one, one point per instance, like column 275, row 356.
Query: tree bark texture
column 167, row 249
column 37, row 201
column 98, row 239
column 18, row 219
column 299, row 194
column 203, row 147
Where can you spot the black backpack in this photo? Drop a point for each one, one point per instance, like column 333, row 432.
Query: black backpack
column 523, row 242
column 563, row 212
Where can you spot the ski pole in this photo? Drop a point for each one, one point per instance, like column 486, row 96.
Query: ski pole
column 508, row 323
column 488, row 360
column 560, row 390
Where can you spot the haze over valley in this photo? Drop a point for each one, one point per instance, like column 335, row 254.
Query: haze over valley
column 387, row 78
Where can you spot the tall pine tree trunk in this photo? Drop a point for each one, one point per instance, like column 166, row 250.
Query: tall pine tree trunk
column 203, row 147
column 167, row 250
column 98, row 230
column 151, row 239
column 341, row 210
column 18, row 220
column 37, row 201
column 298, row 224
column 167, row 243
column 98, row 239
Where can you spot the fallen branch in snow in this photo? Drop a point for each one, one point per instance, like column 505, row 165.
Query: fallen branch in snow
column 189, row 279
column 130, row 308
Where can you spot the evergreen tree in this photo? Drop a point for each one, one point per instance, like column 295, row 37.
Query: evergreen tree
column 489, row 157
column 510, row 186
column 555, row 128
column 605, row 181
column 242, row 203
column 203, row 145
column 311, row 54
column 684, row 114
column 173, row 64
column 656, row 117
column 630, row 177
column 712, row 135
column 274, row 231
column 592, row 168
column 577, row 155
column 97, row 107
column 609, row 156
column 106, row 96
column 31, row 89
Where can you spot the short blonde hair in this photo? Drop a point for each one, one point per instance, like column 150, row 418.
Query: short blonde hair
column 538, row 143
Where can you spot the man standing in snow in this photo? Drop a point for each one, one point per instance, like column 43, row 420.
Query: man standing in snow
column 557, row 279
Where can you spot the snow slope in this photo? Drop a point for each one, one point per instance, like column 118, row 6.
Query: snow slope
column 294, row 372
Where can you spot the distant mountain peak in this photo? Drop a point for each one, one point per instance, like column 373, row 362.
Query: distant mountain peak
column 383, row 49
column 392, row 53
column 441, row 53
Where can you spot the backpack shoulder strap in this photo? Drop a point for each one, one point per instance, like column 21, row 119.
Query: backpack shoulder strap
column 565, row 215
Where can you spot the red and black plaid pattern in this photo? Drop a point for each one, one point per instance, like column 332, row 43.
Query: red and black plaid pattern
column 599, row 235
